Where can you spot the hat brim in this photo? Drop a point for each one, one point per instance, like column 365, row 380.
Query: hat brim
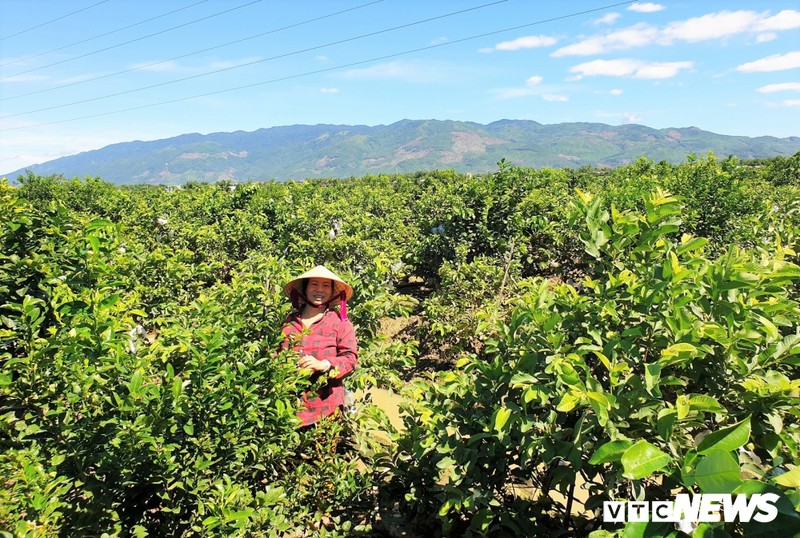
column 319, row 271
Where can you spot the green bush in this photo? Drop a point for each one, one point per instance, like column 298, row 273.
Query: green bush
column 115, row 422
column 616, row 380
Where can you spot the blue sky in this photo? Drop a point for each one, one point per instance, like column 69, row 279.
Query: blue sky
column 77, row 75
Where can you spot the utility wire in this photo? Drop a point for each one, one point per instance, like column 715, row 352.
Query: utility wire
column 51, row 21
column 328, row 69
column 103, row 35
column 254, row 62
column 132, row 40
column 145, row 66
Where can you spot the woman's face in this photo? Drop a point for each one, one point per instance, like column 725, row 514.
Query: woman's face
column 319, row 291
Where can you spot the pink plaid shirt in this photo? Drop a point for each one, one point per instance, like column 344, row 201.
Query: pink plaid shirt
column 331, row 339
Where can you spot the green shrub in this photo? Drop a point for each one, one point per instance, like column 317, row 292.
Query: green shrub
column 616, row 380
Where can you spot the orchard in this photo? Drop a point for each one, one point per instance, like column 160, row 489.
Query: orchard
column 565, row 338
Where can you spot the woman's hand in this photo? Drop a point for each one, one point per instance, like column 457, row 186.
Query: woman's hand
column 307, row 361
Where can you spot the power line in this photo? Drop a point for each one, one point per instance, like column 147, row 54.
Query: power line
column 254, row 62
column 103, row 35
column 140, row 67
column 132, row 40
column 328, row 69
column 52, row 21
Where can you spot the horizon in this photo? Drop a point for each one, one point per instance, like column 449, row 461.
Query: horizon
column 8, row 174
column 71, row 82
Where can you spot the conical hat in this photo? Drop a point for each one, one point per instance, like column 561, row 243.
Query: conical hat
column 320, row 271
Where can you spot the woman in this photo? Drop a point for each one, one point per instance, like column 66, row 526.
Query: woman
column 324, row 338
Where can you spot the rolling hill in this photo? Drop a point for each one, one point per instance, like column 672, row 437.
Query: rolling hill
column 312, row 151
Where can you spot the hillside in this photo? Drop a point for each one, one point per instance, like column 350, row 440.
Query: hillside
column 308, row 151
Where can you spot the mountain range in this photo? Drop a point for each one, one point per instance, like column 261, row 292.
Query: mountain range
column 313, row 151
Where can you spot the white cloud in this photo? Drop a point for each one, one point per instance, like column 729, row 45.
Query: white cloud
column 526, row 90
column 609, row 68
column 609, row 18
column 329, row 90
column 776, row 62
column 791, row 102
column 647, row 7
column 718, row 25
column 529, row 88
column 439, row 40
column 638, row 35
column 765, row 37
column 526, row 42
column 788, row 19
column 661, row 70
column 630, row 117
column 783, row 87
column 616, row 91
column 711, row 26
column 555, row 98
column 630, row 68
column 321, row 58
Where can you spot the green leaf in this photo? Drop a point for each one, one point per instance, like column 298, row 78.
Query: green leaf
column 718, row 472
column 770, row 329
column 676, row 349
column 600, row 533
column 482, row 519
column 701, row 402
column 211, row 522
column 94, row 242
column 610, row 452
column 135, row 385
column 445, row 508
column 682, row 406
column 788, row 345
column 446, row 463
column 790, row 479
column 98, row 224
column 790, row 270
column 652, row 375
column 501, row 416
column 522, row 379
column 726, row 439
column 665, row 422
column 643, row 459
column 177, row 387
column 568, row 402
column 691, row 244
column 677, row 353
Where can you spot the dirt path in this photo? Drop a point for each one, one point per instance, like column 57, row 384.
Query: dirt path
column 389, row 402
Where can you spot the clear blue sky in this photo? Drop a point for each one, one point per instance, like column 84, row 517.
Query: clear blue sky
column 77, row 75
